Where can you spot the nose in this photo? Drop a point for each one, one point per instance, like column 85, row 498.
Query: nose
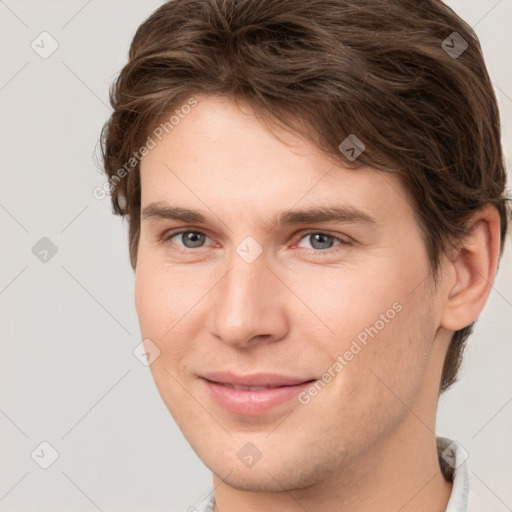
column 249, row 305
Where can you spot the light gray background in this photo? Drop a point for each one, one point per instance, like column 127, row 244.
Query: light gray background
column 69, row 326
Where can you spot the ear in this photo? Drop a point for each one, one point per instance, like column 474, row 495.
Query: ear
column 473, row 270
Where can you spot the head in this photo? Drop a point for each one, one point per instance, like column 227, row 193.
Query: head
column 249, row 111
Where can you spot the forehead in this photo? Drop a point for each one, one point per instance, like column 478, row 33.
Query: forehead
column 220, row 154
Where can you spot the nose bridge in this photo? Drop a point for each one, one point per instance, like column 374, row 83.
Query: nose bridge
column 245, row 303
column 241, row 290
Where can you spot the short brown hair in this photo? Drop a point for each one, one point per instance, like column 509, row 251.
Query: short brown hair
column 327, row 69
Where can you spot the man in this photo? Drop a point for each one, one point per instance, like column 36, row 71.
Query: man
column 315, row 191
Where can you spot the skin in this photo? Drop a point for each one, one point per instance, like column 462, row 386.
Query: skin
column 367, row 440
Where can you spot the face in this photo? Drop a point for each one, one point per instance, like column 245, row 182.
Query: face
column 328, row 318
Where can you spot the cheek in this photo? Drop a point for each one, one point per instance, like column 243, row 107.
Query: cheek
column 149, row 300
column 377, row 320
column 162, row 294
column 346, row 301
column 159, row 306
column 166, row 301
column 389, row 369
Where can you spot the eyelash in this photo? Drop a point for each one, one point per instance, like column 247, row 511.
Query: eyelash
column 342, row 242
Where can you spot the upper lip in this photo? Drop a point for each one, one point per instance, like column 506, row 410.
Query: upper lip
column 255, row 379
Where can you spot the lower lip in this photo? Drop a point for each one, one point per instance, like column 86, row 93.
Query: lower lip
column 252, row 403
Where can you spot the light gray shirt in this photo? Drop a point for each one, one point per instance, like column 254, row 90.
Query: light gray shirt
column 452, row 458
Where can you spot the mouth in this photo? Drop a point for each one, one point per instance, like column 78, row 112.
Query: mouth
column 245, row 388
column 252, row 395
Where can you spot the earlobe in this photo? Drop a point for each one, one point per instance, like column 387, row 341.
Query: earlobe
column 474, row 269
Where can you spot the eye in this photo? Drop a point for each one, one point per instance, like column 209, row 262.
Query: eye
column 189, row 239
column 320, row 241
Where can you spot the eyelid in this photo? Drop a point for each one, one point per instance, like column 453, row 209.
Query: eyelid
column 344, row 239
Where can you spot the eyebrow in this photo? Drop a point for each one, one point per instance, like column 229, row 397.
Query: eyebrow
column 287, row 217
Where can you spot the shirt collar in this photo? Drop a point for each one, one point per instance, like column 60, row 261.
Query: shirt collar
column 452, row 459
